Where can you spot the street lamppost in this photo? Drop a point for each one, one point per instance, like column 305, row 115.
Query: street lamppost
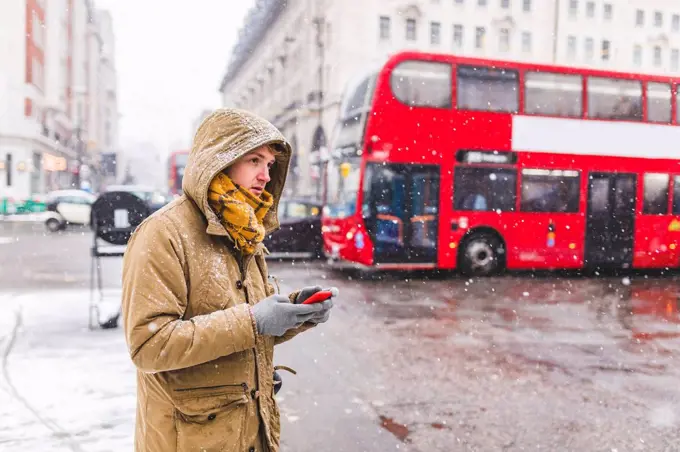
column 322, row 160
column 81, row 110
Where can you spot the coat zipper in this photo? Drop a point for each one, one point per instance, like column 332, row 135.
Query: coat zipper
column 244, row 261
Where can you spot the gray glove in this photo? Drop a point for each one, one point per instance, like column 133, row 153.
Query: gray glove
column 325, row 312
column 276, row 314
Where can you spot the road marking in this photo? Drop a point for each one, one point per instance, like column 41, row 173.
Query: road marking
column 7, row 240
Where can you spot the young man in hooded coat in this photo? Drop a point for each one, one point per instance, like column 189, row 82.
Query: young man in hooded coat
column 200, row 318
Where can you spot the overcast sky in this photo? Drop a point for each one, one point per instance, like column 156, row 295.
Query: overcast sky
column 170, row 57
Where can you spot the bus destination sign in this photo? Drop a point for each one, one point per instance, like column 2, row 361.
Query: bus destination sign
column 496, row 157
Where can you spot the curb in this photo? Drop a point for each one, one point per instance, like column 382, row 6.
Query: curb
column 26, row 218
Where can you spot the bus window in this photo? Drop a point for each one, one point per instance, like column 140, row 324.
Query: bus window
column 422, row 84
column 487, row 89
column 610, row 98
column 659, row 102
column 553, row 94
column 484, row 189
column 550, row 191
column 656, row 194
column 676, row 195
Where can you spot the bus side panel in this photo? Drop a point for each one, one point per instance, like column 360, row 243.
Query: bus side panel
column 656, row 241
column 531, row 242
column 446, row 252
column 545, row 241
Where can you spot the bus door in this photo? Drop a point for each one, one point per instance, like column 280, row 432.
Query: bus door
column 610, row 220
column 401, row 204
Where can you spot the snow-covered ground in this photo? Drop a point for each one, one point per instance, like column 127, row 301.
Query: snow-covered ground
column 63, row 387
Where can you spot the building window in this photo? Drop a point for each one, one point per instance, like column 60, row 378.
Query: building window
column 384, row 27
column 675, row 60
column 480, row 35
column 658, row 19
column 608, row 11
column 675, row 22
column 504, row 40
column 481, row 2
column 571, row 47
column 639, row 18
column 573, row 8
column 657, row 56
column 637, row 55
column 505, row 4
column 410, row 29
column 459, row 2
column 606, row 49
column 590, row 9
column 526, row 41
column 589, row 48
column 435, row 33
column 37, row 73
column 37, row 30
column 458, row 36
column 526, row 6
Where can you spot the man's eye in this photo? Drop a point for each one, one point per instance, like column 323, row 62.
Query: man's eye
column 254, row 160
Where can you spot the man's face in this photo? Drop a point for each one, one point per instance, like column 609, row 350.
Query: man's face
column 251, row 171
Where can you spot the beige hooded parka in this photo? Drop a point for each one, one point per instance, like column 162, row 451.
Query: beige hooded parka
column 204, row 374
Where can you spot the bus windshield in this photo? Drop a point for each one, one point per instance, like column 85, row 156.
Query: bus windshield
column 353, row 113
column 343, row 187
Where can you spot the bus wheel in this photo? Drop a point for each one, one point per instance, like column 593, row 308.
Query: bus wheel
column 481, row 255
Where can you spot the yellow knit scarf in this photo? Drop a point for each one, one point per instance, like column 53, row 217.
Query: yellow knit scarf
column 240, row 212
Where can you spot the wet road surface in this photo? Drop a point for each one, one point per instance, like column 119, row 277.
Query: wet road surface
column 511, row 363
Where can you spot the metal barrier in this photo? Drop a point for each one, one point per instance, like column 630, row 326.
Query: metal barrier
column 115, row 216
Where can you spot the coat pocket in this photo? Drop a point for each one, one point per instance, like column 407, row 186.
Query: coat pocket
column 210, row 419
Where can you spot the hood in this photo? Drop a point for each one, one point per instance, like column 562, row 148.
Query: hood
column 223, row 137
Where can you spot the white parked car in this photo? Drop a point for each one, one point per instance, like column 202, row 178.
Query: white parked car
column 65, row 207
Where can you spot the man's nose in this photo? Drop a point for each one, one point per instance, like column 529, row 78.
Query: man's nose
column 264, row 175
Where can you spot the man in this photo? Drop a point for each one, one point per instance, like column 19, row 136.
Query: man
column 200, row 318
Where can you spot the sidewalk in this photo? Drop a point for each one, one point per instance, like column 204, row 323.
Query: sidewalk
column 63, row 387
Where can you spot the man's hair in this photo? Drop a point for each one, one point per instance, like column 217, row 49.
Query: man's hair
column 277, row 151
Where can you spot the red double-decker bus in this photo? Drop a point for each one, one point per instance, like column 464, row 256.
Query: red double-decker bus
column 177, row 161
column 446, row 162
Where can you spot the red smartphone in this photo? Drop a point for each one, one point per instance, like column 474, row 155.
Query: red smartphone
column 322, row 295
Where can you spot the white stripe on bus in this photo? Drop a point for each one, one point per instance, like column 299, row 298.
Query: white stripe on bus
column 591, row 137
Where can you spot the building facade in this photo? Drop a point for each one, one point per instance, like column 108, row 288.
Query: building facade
column 294, row 58
column 53, row 114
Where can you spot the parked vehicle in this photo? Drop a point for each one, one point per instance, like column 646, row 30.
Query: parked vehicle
column 300, row 233
column 68, row 207
column 153, row 197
